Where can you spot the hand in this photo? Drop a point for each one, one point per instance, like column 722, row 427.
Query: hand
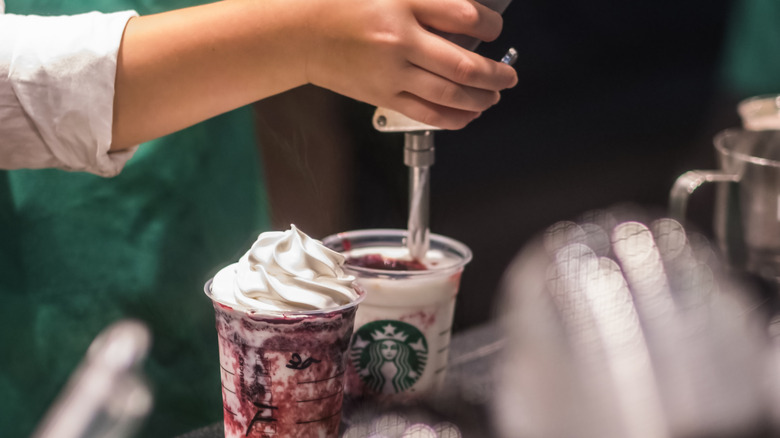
column 381, row 52
column 178, row 68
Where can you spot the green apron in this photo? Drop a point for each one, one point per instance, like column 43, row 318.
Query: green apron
column 752, row 51
column 78, row 252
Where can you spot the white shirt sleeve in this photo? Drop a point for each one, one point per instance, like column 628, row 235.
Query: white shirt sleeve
column 57, row 91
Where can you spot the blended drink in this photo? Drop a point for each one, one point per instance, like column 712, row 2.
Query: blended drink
column 400, row 347
column 285, row 313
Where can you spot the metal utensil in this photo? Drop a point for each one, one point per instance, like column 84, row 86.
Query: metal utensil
column 106, row 397
column 419, row 157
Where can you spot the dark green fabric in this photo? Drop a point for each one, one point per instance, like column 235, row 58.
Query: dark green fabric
column 78, row 252
column 752, row 50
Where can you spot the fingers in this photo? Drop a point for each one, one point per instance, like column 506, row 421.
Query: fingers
column 458, row 65
column 466, row 17
column 446, row 59
column 443, row 92
column 432, row 114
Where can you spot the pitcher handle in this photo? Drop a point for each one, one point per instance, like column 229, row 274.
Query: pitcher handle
column 687, row 183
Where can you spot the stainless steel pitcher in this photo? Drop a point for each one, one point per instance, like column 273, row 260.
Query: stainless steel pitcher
column 747, row 203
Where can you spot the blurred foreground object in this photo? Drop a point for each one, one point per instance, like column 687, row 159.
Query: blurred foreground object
column 106, row 396
column 621, row 329
column 760, row 113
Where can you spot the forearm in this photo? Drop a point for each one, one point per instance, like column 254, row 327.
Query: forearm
column 181, row 67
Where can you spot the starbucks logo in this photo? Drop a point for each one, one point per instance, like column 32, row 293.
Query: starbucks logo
column 388, row 355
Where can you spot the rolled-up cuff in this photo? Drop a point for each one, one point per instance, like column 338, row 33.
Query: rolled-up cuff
column 62, row 72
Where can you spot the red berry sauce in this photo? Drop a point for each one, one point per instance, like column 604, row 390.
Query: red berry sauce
column 377, row 261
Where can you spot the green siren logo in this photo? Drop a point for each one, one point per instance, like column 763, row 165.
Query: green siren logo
column 389, row 355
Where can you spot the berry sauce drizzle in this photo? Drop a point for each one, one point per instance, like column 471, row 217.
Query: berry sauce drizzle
column 376, row 261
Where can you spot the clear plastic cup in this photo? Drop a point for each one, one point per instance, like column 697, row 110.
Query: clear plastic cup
column 282, row 372
column 400, row 347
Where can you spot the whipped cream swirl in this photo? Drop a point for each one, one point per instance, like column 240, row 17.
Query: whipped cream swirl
column 285, row 270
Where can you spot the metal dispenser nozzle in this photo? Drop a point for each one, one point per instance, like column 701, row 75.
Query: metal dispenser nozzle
column 419, row 156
